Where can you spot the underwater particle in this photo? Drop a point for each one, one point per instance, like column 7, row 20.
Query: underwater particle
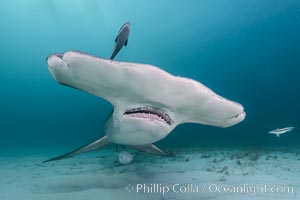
column 125, row 157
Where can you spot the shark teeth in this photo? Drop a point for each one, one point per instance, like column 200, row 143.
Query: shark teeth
column 149, row 112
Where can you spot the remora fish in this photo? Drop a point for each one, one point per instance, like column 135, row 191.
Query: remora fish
column 280, row 131
column 121, row 39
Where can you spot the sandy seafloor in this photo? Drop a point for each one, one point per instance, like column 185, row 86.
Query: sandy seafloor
column 98, row 175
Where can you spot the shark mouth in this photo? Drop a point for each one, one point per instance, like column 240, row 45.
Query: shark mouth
column 149, row 113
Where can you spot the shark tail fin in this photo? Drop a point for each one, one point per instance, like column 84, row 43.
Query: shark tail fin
column 97, row 144
column 152, row 149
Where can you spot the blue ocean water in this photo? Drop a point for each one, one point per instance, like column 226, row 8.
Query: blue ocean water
column 247, row 51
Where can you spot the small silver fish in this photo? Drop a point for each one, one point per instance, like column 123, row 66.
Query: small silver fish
column 280, row 131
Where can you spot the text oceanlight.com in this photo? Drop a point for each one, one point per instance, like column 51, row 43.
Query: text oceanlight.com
column 211, row 188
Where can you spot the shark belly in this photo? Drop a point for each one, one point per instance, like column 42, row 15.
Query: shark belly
column 133, row 138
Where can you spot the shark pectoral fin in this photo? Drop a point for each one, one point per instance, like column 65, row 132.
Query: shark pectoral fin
column 116, row 38
column 152, row 149
column 126, row 42
column 278, row 135
column 101, row 142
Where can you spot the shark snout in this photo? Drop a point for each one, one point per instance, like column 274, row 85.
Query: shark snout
column 226, row 113
column 58, row 67
column 236, row 118
column 59, row 55
column 56, row 61
column 234, row 114
column 126, row 25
